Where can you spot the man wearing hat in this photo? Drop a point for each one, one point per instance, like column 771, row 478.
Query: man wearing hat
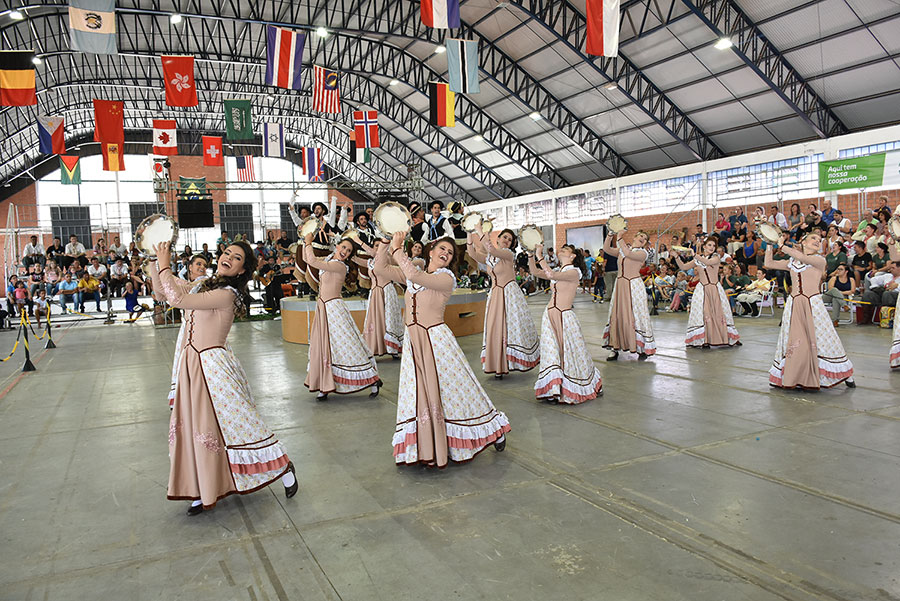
column 456, row 214
column 438, row 225
column 419, row 231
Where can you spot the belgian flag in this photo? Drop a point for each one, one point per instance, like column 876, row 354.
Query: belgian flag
column 442, row 105
column 17, row 86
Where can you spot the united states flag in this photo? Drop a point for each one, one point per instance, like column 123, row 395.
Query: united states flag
column 326, row 95
column 245, row 169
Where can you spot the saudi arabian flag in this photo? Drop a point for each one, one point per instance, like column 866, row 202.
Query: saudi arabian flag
column 237, row 120
column 69, row 170
column 869, row 171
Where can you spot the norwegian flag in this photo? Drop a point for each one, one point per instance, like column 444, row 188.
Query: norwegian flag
column 165, row 141
column 365, row 123
column 312, row 163
column 326, row 94
column 245, row 169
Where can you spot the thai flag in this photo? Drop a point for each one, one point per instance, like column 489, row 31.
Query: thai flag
column 284, row 57
column 312, row 163
column 441, row 14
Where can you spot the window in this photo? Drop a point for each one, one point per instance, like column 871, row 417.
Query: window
column 872, row 149
column 71, row 221
column 662, row 196
column 237, row 218
column 778, row 181
column 139, row 211
column 287, row 224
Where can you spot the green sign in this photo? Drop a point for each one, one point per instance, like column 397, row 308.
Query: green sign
column 861, row 172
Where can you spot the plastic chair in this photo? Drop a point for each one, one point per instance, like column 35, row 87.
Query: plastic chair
column 767, row 302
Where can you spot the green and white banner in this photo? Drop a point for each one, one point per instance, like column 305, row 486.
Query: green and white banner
column 869, row 171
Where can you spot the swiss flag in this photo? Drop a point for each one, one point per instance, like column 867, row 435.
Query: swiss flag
column 178, row 75
column 212, row 151
column 164, row 137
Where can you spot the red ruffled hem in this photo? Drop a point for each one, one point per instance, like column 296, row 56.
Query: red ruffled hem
column 578, row 398
column 453, row 442
column 396, row 347
column 831, row 375
column 517, row 361
column 362, row 383
column 258, row 468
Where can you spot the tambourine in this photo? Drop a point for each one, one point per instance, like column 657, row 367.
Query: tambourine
column 682, row 249
column 893, row 227
column 392, row 217
column 472, row 222
column 617, row 223
column 155, row 229
column 487, row 226
column 310, row 225
column 351, row 233
column 769, row 232
column 530, row 236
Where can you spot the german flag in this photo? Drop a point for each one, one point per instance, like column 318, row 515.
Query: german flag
column 17, row 87
column 442, row 105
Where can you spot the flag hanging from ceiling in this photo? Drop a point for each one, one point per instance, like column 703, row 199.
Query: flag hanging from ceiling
column 365, row 124
column 109, row 121
column 284, row 57
column 51, row 134
column 326, row 94
column 192, row 188
column 603, row 27
column 92, row 26
column 245, row 169
column 113, row 156
column 357, row 154
column 237, row 120
column 442, row 105
column 165, row 139
column 462, row 66
column 441, row 14
column 69, row 170
column 212, row 151
column 17, row 82
column 273, row 140
column 178, row 76
column 312, row 163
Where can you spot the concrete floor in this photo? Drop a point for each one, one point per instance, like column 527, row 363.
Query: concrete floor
column 690, row 479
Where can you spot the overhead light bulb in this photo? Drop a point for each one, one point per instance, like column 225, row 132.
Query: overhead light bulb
column 440, row 50
column 612, row 86
column 322, row 32
column 16, row 15
column 724, row 44
column 478, row 138
column 394, row 82
column 536, row 116
column 176, row 19
column 36, row 60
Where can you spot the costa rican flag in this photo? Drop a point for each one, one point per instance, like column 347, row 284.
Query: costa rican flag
column 284, row 57
column 365, row 124
column 326, row 95
column 245, row 169
column 312, row 163
column 441, row 14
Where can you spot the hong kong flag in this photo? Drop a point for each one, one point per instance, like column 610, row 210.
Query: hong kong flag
column 164, row 137
column 212, row 151
column 178, row 75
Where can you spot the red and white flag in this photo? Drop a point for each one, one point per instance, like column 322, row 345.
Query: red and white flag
column 178, row 75
column 326, row 94
column 603, row 27
column 164, row 137
column 365, row 124
column 440, row 14
column 245, row 169
column 312, row 163
column 212, row 151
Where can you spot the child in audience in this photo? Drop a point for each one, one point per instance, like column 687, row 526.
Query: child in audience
column 41, row 307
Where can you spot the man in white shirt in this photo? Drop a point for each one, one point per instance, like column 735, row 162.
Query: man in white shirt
column 98, row 270
column 776, row 217
column 883, row 287
column 118, row 248
column 118, row 275
column 33, row 253
column 74, row 252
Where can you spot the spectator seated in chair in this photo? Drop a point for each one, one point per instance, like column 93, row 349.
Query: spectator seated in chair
column 118, row 277
column 68, row 291
column 12, row 295
column 33, row 254
column 88, row 288
column 22, row 301
column 753, row 293
column 41, row 306
column 883, row 287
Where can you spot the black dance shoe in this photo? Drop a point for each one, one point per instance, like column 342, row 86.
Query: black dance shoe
column 290, row 491
column 643, row 356
column 850, row 383
column 322, row 397
column 195, row 510
column 498, row 376
column 500, row 444
column 613, row 356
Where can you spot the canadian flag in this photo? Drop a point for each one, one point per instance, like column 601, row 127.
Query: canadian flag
column 603, row 27
column 212, row 151
column 164, row 140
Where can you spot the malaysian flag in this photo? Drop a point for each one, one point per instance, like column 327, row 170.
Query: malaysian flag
column 245, row 169
column 312, row 163
column 326, row 95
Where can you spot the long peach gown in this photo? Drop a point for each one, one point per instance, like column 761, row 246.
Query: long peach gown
column 809, row 353
column 443, row 413
column 629, row 327
column 339, row 360
column 510, row 340
column 710, row 322
column 567, row 371
column 383, row 328
column 218, row 443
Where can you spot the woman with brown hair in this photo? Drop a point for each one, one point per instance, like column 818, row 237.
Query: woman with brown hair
column 629, row 328
column 383, row 328
column 710, row 322
column 443, row 413
column 339, row 360
column 510, row 340
column 218, row 443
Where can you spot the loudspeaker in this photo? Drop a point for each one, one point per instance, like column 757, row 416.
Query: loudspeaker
column 193, row 212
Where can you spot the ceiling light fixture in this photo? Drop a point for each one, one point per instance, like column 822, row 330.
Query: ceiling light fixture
column 536, row 116
column 176, row 19
column 724, row 44
column 478, row 137
column 322, row 32
column 36, row 60
column 612, row 86
column 440, row 50
column 394, row 82
column 16, row 15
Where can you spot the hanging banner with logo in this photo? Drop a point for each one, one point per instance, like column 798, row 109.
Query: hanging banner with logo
column 861, row 172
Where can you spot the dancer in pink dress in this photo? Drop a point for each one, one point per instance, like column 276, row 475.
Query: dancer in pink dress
column 383, row 328
column 218, row 443
column 629, row 328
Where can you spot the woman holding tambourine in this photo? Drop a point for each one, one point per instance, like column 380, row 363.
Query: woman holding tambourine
column 809, row 353
column 629, row 328
column 339, row 360
column 383, row 328
column 510, row 340
column 710, row 322
column 567, row 373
